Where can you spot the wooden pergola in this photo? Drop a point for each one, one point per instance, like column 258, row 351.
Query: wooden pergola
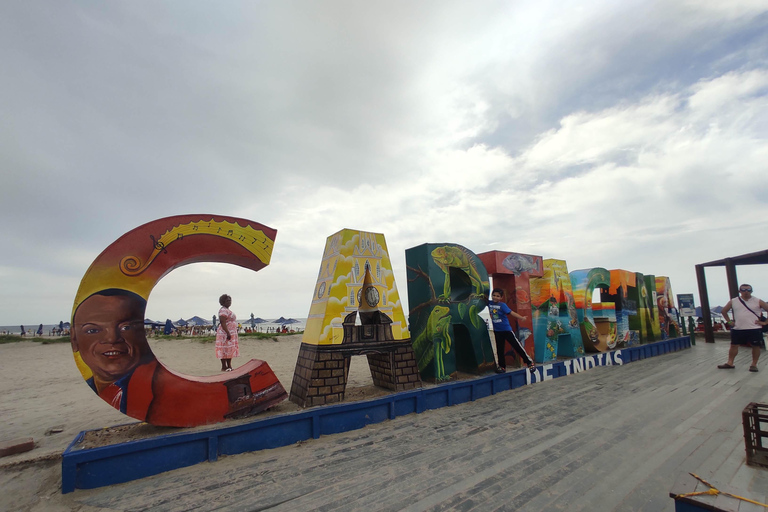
column 730, row 264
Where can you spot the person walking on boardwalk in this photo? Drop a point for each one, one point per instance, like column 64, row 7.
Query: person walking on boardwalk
column 227, row 345
column 746, row 326
column 503, row 333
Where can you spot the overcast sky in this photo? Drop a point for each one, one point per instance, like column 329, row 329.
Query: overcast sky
column 628, row 134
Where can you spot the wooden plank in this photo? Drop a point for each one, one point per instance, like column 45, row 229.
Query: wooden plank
column 14, row 446
column 684, row 484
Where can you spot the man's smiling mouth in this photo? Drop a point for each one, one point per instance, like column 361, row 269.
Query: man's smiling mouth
column 113, row 353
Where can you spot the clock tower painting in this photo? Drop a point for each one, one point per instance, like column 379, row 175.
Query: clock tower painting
column 368, row 254
column 355, row 278
column 339, row 288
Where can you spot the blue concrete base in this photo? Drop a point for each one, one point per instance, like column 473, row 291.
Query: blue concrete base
column 97, row 467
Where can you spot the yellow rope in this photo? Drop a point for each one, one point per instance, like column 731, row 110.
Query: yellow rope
column 714, row 492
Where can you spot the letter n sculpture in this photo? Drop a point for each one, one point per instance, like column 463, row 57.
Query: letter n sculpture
column 447, row 288
column 355, row 280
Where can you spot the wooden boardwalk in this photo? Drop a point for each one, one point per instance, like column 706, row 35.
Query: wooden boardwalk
column 612, row 438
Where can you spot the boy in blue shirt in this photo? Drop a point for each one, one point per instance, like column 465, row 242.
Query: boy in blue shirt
column 502, row 331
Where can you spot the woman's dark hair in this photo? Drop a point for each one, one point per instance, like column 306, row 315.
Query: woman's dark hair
column 223, row 298
column 498, row 290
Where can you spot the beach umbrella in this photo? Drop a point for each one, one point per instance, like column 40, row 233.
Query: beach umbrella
column 259, row 320
column 283, row 321
column 168, row 327
column 180, row 323
column 196, row 320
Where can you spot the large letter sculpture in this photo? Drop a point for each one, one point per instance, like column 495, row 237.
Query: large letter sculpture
column 511, row 272
column 646, row 319
column 108, row 339
column 653, row 325
column 355, row 278
column 597, row 321
column 623, row 285
column 555, row 322
column 665, row 302
column 447, row 288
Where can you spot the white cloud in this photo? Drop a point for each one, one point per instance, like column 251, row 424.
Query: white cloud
column 608, row 134
column 727, row 10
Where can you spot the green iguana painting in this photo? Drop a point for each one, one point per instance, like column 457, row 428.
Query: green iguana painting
column 448, row 256
column 447, row 332
column 434, row 340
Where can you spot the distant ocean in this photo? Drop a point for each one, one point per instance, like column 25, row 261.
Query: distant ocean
column 48, row 328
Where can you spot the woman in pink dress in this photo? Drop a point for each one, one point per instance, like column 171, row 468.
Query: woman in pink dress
column 227, row 346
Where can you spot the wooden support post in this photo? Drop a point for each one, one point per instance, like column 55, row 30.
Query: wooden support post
column 709, row 335
column 733, row 281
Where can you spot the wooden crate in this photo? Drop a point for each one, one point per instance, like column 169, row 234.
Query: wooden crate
column 755, row 421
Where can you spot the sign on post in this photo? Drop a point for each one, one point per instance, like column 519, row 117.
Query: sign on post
column 685, row 304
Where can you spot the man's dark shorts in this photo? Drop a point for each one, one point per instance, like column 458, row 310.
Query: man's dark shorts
column 747, row 337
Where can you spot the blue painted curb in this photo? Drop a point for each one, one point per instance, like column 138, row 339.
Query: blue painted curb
column 107, row 465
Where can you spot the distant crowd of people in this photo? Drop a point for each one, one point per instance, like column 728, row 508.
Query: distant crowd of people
column 54, row 331
column 155, row 330
column 181, row 332
column 209, row 330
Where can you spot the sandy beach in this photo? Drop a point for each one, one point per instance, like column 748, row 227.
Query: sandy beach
column 43, row 396
column 42, row 392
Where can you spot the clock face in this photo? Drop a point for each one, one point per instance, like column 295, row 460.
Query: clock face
column 371, row 296
column 321, row 290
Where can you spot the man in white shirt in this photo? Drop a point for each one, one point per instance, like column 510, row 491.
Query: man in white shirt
column 746, row 326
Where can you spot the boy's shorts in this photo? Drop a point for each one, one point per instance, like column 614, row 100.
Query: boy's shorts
column 747, row 337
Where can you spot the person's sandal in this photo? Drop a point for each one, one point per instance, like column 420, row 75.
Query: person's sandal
column 753, row 368
column 726, row 366
column 532, row 368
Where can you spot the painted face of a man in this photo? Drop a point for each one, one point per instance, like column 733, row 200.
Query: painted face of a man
column 109, row 334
